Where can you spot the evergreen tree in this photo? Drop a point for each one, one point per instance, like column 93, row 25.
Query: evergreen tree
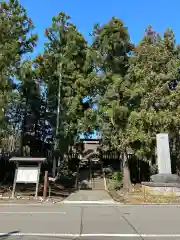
column 62, row 67
column 16, row 39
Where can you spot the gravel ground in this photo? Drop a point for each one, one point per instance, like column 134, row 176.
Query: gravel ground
column 138, row 197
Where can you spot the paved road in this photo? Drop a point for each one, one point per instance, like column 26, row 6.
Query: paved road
column 87, row 222
column 89, row 195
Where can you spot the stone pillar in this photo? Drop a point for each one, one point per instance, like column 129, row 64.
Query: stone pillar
column 163, row 153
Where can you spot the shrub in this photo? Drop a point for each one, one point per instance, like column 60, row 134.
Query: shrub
column 115, row 180
column 117, row 176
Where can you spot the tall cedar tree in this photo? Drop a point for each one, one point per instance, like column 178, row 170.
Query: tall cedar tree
column 63, row 64
column 110, row 53
column 16, row 39
column 153, row 92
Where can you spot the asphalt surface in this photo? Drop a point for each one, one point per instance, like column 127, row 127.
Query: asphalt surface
column 87, row 222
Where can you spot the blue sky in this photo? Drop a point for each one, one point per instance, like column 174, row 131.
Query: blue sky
column 136, row 14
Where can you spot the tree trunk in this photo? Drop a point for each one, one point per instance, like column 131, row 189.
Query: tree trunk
column 127, row 186
column 34, row 147
column 23, row 129
column 54, row 166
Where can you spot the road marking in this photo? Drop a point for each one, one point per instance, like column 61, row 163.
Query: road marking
column 130, row 235
column 41, row 234
column 33, row 212
column 91, row 235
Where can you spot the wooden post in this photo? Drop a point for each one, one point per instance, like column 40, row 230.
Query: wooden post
column 45, row 184
column 14, row 183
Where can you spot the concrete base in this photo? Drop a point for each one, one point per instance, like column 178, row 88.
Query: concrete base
column 165, row 178
column 161, row 189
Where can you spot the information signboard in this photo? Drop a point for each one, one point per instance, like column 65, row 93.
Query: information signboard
column 27, row 174
column 27, row 171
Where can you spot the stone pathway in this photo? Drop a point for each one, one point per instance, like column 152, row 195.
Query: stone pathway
column 89, row 196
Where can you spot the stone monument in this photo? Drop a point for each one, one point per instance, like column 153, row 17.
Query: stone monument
column 164, row 161
column 164, row 183
column 163, row 153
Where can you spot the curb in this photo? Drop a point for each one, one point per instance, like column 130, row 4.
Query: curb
column 88, row 202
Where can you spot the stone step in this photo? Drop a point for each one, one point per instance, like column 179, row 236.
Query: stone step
column 85, row 184
column 98, row 183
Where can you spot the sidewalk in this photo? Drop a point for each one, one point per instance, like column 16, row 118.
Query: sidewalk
column 91, row 196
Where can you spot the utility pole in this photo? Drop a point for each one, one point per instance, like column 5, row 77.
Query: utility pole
column 57, row 119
